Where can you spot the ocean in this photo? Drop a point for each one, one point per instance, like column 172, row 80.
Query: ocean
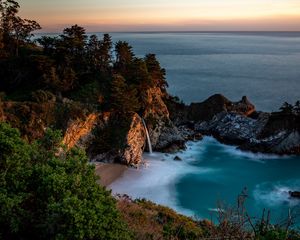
column 265, row 66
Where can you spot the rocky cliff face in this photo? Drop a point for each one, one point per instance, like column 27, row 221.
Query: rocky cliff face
column 118, row 138
column 238, row 123
column 163, row 133
column 135, row 142
column 79, row 131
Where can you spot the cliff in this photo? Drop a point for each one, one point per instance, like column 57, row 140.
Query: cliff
column 240, row 124
column 109, row 137
column 164, row 135
column 115, row 137
column 79, row 131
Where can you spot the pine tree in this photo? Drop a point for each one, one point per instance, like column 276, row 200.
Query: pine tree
column 124, row 56
column 14, row 30
column 123, row 98
column 157, row 74
column 105, row 53
column 297, row 108
column 287, row 108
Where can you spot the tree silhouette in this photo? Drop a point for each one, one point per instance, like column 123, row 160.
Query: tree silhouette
column 105, row 52
column 74, row 39
column 157, row 74
column 286, row 108
column 15, row 30
column 124, row 56
column 297, row 108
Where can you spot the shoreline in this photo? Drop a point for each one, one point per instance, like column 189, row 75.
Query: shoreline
column 156, row 181
column 109, row 172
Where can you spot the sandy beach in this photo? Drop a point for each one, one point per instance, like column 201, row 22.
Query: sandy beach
column 109, row 172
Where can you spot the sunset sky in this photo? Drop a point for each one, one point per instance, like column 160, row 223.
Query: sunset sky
column 165, row 15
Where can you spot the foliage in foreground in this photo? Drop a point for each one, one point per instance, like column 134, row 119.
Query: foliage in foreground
column 47, row 193
column 152, row 221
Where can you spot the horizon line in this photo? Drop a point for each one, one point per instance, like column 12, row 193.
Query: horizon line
column 189, row 31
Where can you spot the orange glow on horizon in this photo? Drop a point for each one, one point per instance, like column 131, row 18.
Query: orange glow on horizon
column 177, row 15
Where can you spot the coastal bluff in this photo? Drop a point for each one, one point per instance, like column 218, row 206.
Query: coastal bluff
column 121, row 138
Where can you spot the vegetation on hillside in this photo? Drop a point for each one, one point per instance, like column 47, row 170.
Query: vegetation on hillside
column 72, row 65
column 48, row 193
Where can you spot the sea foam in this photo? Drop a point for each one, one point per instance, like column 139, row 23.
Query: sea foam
column 156, row 179
column 277, row 194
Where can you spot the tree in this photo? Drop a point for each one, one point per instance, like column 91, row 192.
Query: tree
column 48, row 44
column 99, row 52
column 105, row 52
column 93, row 47
column 74, row 39
column 123, row 98
column 15, row 30
column 287, row 108
column 46, row 195
column 297, row 108
column 138, row 74
column 157, row 74
column 124, row 56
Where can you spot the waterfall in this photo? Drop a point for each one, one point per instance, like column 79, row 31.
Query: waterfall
column 148, row 137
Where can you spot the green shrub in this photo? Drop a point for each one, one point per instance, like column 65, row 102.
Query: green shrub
column 46, row 195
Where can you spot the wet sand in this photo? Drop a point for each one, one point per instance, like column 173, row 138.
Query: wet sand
column 109, row 172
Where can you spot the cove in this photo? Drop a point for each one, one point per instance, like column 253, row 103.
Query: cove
column 211, row 172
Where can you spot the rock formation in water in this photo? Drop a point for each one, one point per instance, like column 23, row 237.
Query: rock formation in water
column 238, row 123
column 294, row 194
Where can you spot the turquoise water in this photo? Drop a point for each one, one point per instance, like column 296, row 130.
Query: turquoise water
column 267, row 179
column 210, row 173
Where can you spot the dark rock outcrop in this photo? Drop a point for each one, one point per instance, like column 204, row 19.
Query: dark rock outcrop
column 294, row 194
column 215, row 104
column 239, row 124
column 176, row 158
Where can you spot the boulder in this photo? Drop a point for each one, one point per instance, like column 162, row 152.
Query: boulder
column 294, row 194
column 176, row 158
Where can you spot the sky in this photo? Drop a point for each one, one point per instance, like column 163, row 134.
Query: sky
column 165, row 15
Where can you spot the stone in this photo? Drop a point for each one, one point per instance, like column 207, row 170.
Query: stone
column 294, row 194
column 176, row 158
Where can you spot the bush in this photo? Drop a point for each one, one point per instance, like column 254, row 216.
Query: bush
column 46, row 195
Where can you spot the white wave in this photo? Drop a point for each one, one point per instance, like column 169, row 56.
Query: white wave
column 157, row 178
column 257, row 157
column 234, row 151
column 276, row 194
column 216, row 210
